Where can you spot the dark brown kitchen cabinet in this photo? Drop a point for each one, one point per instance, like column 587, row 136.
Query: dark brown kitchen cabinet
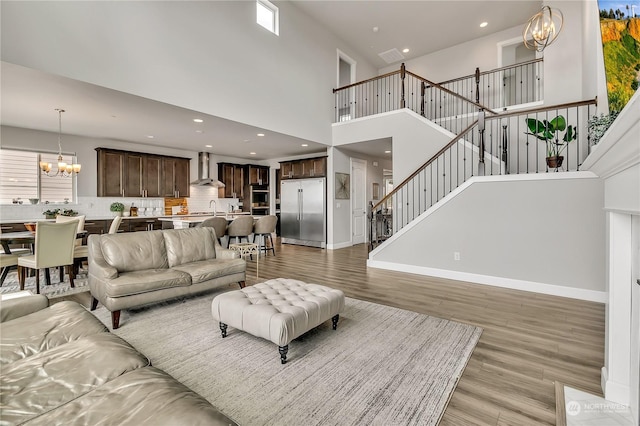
column 305, row 168
column 111, row 173
column 135, row 174
column 232, row 175
column 143, row 175
column 258, row 175
column 176, row 177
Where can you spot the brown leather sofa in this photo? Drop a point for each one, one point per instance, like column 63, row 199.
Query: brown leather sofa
column 132, row 269
column 61, row 366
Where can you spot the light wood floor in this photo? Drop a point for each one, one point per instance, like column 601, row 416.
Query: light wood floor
column 529, row 341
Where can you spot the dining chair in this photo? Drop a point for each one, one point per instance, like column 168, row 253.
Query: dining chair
column 115, row 225
column 219, row 225
column 54, row 244
column 241, row 227
column 81, row 251
column 7, row 260
column 263, row 228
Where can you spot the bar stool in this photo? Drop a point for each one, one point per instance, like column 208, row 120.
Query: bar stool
column 219, row 225
column 241, row 227
column 264, row 227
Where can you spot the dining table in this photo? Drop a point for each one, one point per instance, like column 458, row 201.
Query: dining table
column 24, row 237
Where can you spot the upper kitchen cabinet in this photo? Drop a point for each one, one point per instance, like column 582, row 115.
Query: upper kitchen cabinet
column 305, row 168
column 111, row 173
column 135, row 174
column 143, row 175
column 176, row 177
column 258, row 175
column 232, row 175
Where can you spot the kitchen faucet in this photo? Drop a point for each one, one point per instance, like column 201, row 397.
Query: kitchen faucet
column 214, row 206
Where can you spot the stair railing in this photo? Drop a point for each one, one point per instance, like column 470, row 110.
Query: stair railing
column 491, row 145
column 500, row 88
column 404, row 89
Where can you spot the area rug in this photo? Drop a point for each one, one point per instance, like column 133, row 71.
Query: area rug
column 56, row 289
column 382, row 366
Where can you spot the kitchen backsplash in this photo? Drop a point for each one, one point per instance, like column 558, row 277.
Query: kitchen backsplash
column 98, row 207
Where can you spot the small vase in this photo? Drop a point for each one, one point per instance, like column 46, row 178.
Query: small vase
column 117, row 214
column 555, row 161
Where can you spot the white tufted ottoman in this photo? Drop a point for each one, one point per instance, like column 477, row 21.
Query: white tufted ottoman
column 278, row 310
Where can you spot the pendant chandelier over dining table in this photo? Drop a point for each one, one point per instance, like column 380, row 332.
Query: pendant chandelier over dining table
column 64, row 169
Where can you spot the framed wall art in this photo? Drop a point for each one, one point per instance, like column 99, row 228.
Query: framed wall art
column 343, row 186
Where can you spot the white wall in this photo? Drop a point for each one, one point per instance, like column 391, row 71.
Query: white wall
column 414, row 138
column 208, row 56
column 527, row 232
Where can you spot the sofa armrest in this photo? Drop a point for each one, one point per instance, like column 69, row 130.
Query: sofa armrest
column 21, row 306
column 223, row 253
column 101, row 269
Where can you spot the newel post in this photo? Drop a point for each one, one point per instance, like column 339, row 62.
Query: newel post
column 477, row 85
column 403, row 73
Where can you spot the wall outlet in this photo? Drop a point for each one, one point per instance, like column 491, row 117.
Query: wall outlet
column 456, row 255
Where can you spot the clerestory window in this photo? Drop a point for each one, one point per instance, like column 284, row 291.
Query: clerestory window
column 267, row 15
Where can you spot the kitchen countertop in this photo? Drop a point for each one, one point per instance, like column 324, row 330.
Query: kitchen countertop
column 191, row 217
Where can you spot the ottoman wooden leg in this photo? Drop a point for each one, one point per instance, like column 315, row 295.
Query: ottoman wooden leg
column 223, row 329
column 334, row 321
column 115, row 319
column 94, row 303
column 283, row 353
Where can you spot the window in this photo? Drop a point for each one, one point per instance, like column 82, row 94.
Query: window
column 20, row 177
column 267, row 16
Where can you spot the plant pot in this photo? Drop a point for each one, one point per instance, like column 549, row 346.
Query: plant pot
column 50, row 216
column 555, row 162
column 117, row 214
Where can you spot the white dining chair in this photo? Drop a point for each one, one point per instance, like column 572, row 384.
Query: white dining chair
column 54, row 245
column 115, row 224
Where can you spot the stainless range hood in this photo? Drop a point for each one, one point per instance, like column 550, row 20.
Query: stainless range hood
column 203, row 172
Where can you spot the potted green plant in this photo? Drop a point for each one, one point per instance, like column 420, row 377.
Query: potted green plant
column 550, row 133
column 117, row 208
column 51, row 213
column 67, row 212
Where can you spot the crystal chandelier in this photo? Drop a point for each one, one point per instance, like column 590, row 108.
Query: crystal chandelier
column 542, row 29
column 64, row 169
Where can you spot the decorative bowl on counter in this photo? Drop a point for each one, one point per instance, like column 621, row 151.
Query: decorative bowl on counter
column 34, row 200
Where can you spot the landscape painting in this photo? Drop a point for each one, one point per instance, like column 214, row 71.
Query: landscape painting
column 620, row 29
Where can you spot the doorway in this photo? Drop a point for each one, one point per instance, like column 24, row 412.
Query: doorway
column 358, row 201
column 346, row 76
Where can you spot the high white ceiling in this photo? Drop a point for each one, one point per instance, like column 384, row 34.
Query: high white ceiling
column 93, row 111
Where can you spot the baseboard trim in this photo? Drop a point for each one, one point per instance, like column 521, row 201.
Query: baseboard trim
column 534, row 287
column 614, row 391
column 339, row 245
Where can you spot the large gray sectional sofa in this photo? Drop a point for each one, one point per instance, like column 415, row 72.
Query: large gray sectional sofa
column 61, row 366
column 136, row 268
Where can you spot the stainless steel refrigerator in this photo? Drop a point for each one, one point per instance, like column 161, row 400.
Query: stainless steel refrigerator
column 303, row 209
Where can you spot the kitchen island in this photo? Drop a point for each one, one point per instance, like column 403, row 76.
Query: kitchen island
column 187, row 221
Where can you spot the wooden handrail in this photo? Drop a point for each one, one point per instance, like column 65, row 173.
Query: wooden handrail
column 367, row 80
column 454, row 94
column 493, row 70
column 543, row 108
column 419, row 169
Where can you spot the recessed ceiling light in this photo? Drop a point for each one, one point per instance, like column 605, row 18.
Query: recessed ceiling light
column 387, row 152
column 198, row 120
column 405, row 50
column 261, row 134
column 246, row 140
column 199, row 131
column 150, row 136
column 375, row 29
column 252, row 153
column 208, row 146
column 305, row 144
column 484, row 24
